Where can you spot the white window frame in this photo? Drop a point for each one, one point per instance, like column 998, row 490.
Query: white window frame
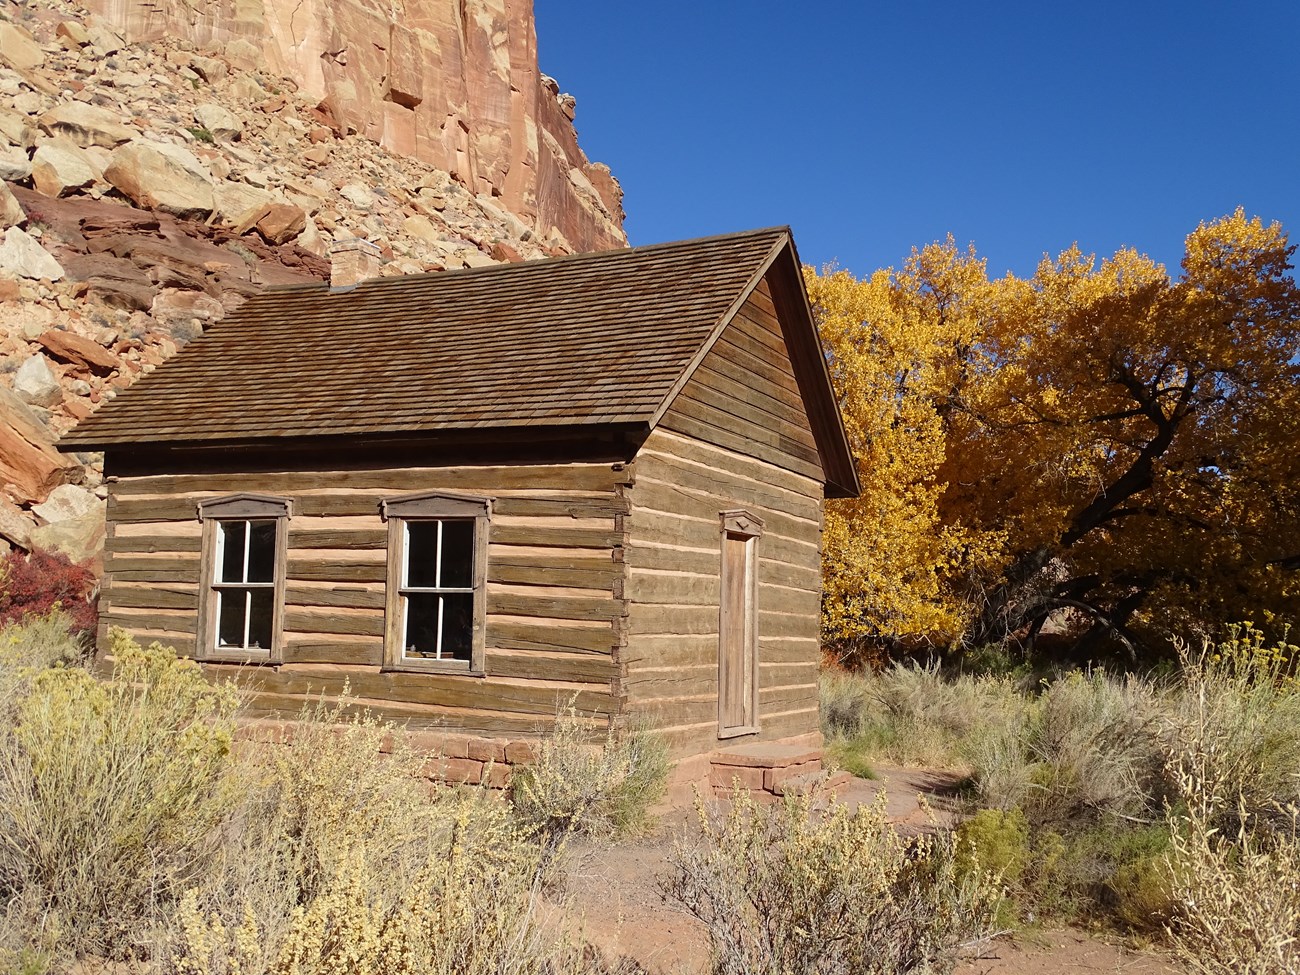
column 233, row 509
column 438, row 507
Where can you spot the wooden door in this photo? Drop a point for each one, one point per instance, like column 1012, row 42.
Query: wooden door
column 737, row 626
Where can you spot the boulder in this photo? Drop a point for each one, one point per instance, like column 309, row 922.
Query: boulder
column 71, row 34
column 22, row 255
column 14, row 164
column 181, row 306
column 15, row 526
column 358, row 195
column 421, row 228
column 232, row 202
column 36, row 384
column 30, row 467
column 279, row 223
column 67, row 502
column 18, row 49
column 78, row 538
column 209, row 69
column 157, row 175
column 86, row 125
column 60, row 168
column 11, row 211
column 223, row 124
column 72, row 348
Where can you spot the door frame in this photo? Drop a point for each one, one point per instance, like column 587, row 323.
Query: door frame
column 739, row 525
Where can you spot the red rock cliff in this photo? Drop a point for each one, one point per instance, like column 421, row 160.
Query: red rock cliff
column 454, row 83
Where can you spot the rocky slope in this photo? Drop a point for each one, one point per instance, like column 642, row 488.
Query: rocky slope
column 453, row 83
column 148, row 187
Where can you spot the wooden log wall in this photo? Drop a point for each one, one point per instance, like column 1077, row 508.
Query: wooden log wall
column 673, row 559
column 744, row 396
column 554, row 588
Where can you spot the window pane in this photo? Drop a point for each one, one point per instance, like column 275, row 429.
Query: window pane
column 457, row 555
column 259, row 620
column 422, row 554
column 421, row 625
column 457, row 625
column 231, row 604
column 232, row 555
column 261, row 552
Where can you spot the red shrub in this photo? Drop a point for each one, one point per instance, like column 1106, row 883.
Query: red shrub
column 34, row 583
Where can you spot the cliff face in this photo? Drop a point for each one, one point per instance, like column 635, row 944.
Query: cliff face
column 453, row 83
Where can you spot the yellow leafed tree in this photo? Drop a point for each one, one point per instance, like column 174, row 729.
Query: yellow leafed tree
column 1099, row 444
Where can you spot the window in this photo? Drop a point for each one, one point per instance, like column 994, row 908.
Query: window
column 437, row 550
column 244, row 542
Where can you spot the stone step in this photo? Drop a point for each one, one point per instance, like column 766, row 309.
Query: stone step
column 812, row 782
column 765, row 756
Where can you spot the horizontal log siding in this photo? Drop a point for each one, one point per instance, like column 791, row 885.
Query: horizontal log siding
column 744, row 397
column 554, row 568
column 673, row 560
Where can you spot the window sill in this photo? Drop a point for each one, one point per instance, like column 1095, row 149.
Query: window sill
column 236, row 657
column 433, row 667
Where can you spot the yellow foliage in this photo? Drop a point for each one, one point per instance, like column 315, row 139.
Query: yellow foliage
column 1098, row 439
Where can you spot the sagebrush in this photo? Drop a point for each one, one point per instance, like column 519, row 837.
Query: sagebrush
column 594, row 788
column 784, row 888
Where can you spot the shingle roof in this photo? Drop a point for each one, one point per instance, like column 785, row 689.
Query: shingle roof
column 589, row 339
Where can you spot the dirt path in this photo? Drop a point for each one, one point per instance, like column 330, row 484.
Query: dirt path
column 615, row 892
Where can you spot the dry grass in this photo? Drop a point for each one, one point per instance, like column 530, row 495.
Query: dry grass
column 110, row 795
column 1127, row 799
column 912, row 714
column 603, row 788
column 785, row 889
column 130, row 829
column 1235, row 857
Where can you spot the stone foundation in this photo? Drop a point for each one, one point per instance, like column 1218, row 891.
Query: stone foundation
column 453, row 759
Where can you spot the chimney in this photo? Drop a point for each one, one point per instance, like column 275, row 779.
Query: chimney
column 352, row 261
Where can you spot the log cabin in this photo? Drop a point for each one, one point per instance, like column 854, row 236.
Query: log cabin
column 474, row 496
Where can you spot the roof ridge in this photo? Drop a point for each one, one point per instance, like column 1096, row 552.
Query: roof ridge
column 593, row 256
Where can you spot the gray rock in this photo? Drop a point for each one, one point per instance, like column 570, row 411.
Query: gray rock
column 14, row 164
column 224, row 125
column 23, row 256
column 78, row 538
column 66, row 502
column 36, row 384
column 87, row 125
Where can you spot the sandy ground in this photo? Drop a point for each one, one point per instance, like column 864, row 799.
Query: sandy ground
column 615, row 892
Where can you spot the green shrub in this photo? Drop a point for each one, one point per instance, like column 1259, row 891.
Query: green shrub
column 603, row 789
column 782, row 889
column 845, row 702
column 995, row 840
column 850, row 754
column 110, row 798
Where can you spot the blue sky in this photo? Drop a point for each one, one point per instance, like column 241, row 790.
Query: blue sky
column 873, row 127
